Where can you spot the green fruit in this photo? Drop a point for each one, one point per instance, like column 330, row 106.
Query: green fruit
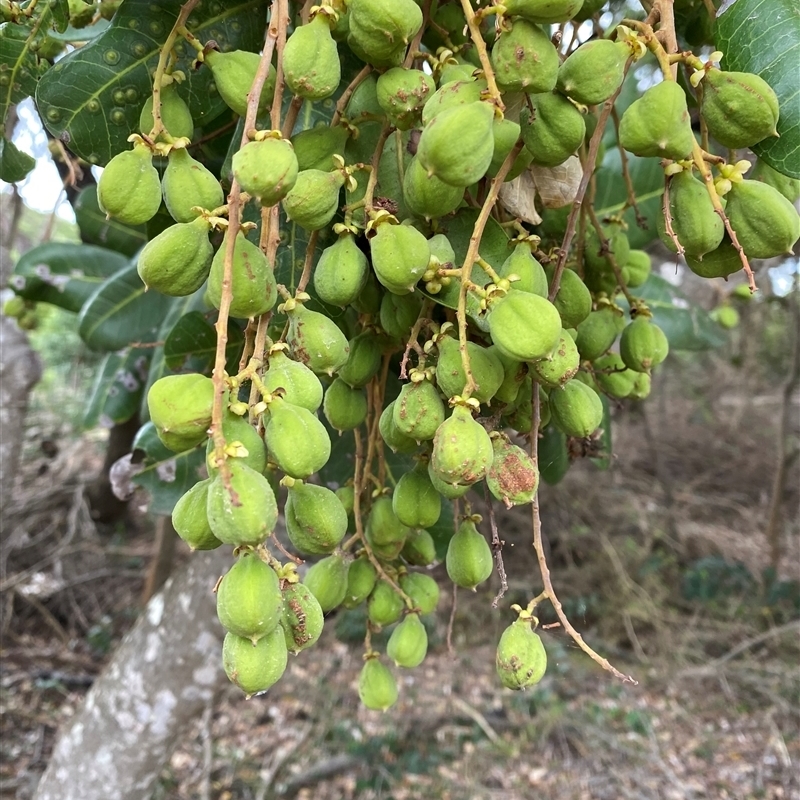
column 639, row 266
column 266, row 169
column 544, row 12
column 255, row 668
column 383, row 526
column 190, row 518
column 341, row 272
column 641, row 387
column 469, row 557
column 377, row 688
column 521, row 659
column 426, row 195
column 726, row 316
column 524, row 59
column 300, row 385
column 361, row 579
column 575, row 409
column 506, row 134
column 596, row 333
column 739, row 108
column 596, row 255
column 462, row 450
column 129, row 188
column 452, row 94
column 400, row 256
column 180, row 409
column 487, row 370
column 643, row 345
column 513, row 477
column 238, row 429
column 302, row 619
column 408, row 644
column 451, row 491
column 553, row 129
column 562, row 364
column 524, row 266
column 657, row 125
column 345, row 408
column 418, row 411
column 316, row 147
column 573, row 301
column 363, row 362
column 297, row 441
column 175, row 114
column 419, row 549
column 234, row 73
column 514, row 373
column 241, row 510
column 327, row 581
column 395, row 439
column 698, row 228
column 346, row 495
column 384, row 605
column 471, row 126
column 178, row 260
column 398, row 313
column 401, row 94
column 524, row 326
column 187, row 184
column 788, row 187
column 613, row 377
column 311, row 63
column 252, row 281
column 593, row 72
column 314, row 198
column 316, row 520
column 423, row 591
column 415, row 502
column 718, row 263
column 767, row 225
column 249, row 601
column 381, row 31
column 316, row 340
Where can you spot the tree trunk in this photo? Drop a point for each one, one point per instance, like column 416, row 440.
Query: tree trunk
column 158, row 682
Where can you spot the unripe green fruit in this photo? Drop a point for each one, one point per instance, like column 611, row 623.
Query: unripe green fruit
column 462, row 450
column 249, row 600
column 451, row 491
column 363, row 362
column 408, row 644
column 311, row 60
column 234, row 73
column 327, row 581
column 553, row 129
column 788, row 187
column 423, row 591
column 426, row 195
column 341, row 272
column 300, row 385
column 14, row 307
column 239, row 429
column 442, row 251
column 252, row 281
column 384, row 605
column 524, row 326
column 456, row 72
column 469, row 557
column 596, row 334
column 643, row 345
column 698, row 228
column 314, row 198
column 576, row 409
column 395, row 439
column 175, row 114
column 316, row 340
column 419, row 549
column 513, row 477
column 487, row 371
column 402, row 93
column 385, row 553
column 506, row 134
column 377, row 688
column 613, row 377
column 361, row 579
column 718, row 263
column 596, row 257
column 415, row 502
column 255, row 668
column 562, row 364
column 398, row 313
column 573, row 301
column 297, row 441
column 178, row 260
column 383, row 526
column 316, row 520
column 639, row 267
column 400, row 256
column 524, row 59
column 242, row 511
column 521, row 659
column 346, row 495
column 471, row 126
column 345, row 408
column 593, row 72
column 514, row 373
column 180, row 408
column 302, row 619
column 266, row 169
column 641, row 387
column 190, row 518
column 726, row 316
column 739, row 108
column 543, row 11
column 418, row 411
column 316, row 147
column 657, row 125
column 767, row 225
column 129, row 188
column 530, row 272
column 188, row 184
column 381, row 31
column 451, row 94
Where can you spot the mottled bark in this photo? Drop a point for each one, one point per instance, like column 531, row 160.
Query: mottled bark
column 158, row 682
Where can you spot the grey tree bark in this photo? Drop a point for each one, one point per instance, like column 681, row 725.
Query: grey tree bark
column 158, row 682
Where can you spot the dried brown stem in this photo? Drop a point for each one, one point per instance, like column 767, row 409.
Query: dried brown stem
column 483, row 55
column 497, row 549
column 641, row 221
column 609, row 256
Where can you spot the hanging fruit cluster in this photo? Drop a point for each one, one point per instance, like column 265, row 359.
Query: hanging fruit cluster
column 450, row 104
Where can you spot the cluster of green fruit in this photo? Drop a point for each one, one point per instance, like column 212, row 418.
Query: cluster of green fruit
column 484, row 343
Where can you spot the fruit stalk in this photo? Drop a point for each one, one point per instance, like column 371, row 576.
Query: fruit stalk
column 632, row 301
column 483, row 55
column 497, row 549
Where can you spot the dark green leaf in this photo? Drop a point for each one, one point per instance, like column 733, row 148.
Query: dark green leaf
column 553, row 455
column 60, row 12
column 763, row 37
column 110, row 233
column 192, row 344
column 64, row 274
column 120, row 313
column 92, row 98
column 14, row 164
column 19, row 67
column 81, row 35
column 118, row 387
